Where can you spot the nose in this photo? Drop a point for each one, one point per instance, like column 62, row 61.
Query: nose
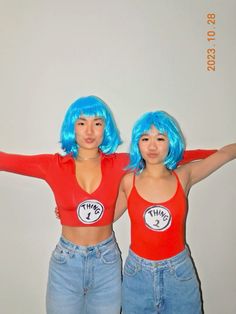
column 89, row 128
column 152, row 145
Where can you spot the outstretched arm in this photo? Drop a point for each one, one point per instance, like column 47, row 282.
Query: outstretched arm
column 197, row 171
column 196, row 154
column 35, row 166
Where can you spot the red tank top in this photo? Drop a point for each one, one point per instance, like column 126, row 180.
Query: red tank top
column 157, row 229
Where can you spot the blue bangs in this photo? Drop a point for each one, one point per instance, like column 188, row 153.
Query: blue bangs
column 90, row 106
column 166, row 125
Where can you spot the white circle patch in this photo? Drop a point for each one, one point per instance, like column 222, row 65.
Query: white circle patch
column 90, row 211
column 157, row 218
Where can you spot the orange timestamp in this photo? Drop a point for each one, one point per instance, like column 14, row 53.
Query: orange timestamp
column 211, row 38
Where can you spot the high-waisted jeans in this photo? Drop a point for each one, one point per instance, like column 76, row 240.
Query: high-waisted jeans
column 168, row 286
column 84, row 279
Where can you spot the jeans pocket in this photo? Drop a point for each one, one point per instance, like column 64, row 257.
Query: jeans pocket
column 111, row 255
column 185, row 270
column 131, row 268
column 59, row 255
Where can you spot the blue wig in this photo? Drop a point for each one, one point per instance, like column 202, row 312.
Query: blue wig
column 166, row 125
column 90, row 106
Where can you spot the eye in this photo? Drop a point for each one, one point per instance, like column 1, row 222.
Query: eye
column 161, row 139
column 80, row 123
column 98, row 122
column 144, row 139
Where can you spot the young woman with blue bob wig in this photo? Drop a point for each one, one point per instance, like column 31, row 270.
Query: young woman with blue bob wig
column 166, row 125
column 159, row 276
column 85, row 267
column 90, row 106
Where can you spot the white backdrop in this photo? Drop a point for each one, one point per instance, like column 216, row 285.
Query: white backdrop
column 137, row 56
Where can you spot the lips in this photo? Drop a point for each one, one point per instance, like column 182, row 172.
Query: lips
column 152, row 155
column 89, row 140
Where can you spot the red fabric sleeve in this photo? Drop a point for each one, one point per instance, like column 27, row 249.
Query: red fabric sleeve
column 196, row 154
column 33, row 166
column 123, row 159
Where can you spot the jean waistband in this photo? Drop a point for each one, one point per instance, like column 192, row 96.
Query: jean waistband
column 169, row 262
column 101, row 246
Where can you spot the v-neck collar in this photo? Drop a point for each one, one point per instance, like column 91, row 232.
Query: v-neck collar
column 70, row 158
column 78, row 183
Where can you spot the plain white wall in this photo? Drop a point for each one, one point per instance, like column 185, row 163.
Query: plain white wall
column 138, row 56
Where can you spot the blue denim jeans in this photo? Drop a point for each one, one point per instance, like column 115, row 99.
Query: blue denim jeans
column 84, row 279
column 168, row 286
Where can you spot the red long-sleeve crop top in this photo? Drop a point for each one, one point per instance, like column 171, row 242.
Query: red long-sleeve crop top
column 76, row 206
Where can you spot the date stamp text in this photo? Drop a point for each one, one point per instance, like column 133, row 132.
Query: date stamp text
column 211, row 39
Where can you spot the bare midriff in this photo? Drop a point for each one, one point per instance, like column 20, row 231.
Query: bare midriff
column 86, row 236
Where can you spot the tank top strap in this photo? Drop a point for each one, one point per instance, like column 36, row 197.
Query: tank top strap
column 177, row 178
column 133, row 180
column 179, row 185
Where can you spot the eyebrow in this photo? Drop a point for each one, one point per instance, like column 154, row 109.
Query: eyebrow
column 147, row 134
column 95, row 119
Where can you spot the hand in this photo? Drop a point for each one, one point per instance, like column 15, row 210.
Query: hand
column 56, row 211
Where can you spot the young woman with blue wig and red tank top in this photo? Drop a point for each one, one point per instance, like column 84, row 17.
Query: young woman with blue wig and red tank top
column 159, row 276
column 85, row 267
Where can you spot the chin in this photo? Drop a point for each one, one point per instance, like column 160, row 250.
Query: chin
column 154, row 161
column 89, row 146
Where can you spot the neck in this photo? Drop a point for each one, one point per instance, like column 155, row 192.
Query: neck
column 88, row 154
column 156, row 171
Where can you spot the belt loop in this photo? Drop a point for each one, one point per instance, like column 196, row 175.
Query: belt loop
column 73, row 251
column 98, row 252
column 139, row 265
column 171, row 266
column 70, row 251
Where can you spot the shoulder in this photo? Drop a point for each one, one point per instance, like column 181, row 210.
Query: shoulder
column 118, row 159
column 57, row 161
column 127, row 181
column 183, row 174
column 63, row 159
column 123, row 157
